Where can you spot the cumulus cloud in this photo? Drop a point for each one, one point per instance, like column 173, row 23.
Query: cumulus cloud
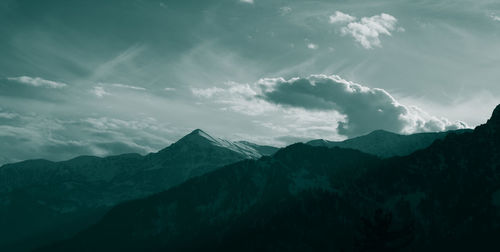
column 312, row 46
column 169, row 89
column 367, row 30
column 495, row 17
column 366, row 109
column 340, row 17
column 99, row 91
column 329, row 103
column 247, row 1
column 37, row 82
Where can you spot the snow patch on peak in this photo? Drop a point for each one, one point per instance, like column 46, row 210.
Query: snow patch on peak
column 200, row 137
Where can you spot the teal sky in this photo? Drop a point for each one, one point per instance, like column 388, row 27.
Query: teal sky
column 108, row 77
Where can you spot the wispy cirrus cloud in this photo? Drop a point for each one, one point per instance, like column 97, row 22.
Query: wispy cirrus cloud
column 37, row 136
column 124, row 59
column 7, row 114
column 119, row 85
column 37, row 82
column 285, row 10
column 206, row 92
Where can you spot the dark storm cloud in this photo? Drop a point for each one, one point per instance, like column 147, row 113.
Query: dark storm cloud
column 367, row 109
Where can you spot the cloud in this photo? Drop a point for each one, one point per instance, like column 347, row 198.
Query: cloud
column 99, row 91
column 366, row 109
column 328, row 104
column 124, row 61
column 119, row 85
column 206, row 92
column 36, row 136
column 495, row 17
column 247, row 1
column 37, row 82
column 285, row 10
column 7, row 114
column 312, row 46
column 340, row 17
column 169, row 89
column 367, row 30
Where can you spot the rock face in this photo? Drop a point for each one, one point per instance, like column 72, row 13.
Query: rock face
column 387, row 144
column 442, row 198
column 494, row 121
column 43, row 201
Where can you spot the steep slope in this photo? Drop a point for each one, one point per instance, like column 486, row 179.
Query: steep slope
column 264, row 150
column 41, row 201
column 442, row 198
column 193, row 155
column 193, row 213
column 387, row 144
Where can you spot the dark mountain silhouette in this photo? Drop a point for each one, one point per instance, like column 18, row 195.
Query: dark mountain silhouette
column 221, row 197
column 42, row 201
column 443, row 198
column 387, row 144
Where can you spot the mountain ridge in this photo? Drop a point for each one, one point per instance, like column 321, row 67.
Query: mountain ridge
column 386, row 144
column 441, row 198
column 86, row 186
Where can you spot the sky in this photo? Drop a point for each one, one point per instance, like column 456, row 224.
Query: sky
column 109, row 77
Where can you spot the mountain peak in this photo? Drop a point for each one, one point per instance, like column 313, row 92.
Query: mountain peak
column 197, row 136
column 381, row 132
column 494, row 120
column 496, row 114
column 197, row 132
column 200, row 139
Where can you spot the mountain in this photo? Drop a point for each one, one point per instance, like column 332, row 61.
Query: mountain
column 43, row 201
column 264, row 150
column 387, row 144
column 204, row 207
column 445, row 197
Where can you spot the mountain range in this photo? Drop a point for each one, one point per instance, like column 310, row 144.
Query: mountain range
column 386, row 144
column 445, row 197
column 43, row 201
